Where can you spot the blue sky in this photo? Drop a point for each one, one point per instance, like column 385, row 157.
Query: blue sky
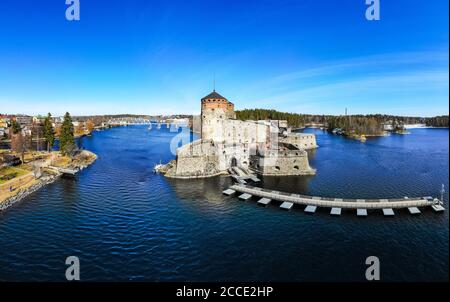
column 160, row 57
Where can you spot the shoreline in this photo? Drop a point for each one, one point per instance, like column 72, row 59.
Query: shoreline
column 48, row 178
column 24, row 192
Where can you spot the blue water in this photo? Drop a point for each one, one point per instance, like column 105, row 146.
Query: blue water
column 126, row 223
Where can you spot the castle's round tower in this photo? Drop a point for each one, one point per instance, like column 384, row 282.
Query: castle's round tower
column 215, row 110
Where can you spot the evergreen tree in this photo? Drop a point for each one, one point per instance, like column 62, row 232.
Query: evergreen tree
column 15, row 126
column 49, row 132
column 66, row 138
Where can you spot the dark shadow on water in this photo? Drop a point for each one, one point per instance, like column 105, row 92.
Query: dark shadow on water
column 290, row 184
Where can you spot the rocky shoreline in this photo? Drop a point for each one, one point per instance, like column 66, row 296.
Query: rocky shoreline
column 43, row 181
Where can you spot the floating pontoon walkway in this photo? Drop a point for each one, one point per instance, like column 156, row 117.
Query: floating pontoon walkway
column 286, row 205
column 361, row 205
column 438, row 208
column 229, row 192
column 310, row 209
column 388, row 212
column 335, row 211
column 264, row 201
column 413, row 210
column 245, row 196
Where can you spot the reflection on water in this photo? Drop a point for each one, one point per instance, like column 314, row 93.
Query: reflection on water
column 201, row 189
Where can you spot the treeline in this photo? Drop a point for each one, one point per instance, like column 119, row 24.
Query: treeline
column 294, row 120
column 437, row 121
column 22, row 142
column 356, row 124
column 371, row 124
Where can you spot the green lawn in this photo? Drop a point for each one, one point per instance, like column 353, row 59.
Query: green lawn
column 12, row 171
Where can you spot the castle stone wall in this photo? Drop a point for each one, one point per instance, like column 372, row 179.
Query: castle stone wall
column 303, row 141
column 253, row 145
column 282, row 164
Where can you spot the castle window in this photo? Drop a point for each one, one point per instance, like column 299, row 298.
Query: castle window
column 296, row 168
column 277, row 168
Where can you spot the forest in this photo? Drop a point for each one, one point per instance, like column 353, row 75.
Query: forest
column 371, row 124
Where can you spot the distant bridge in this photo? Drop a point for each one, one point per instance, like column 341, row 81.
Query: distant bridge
column 128, row 121
column 143, row 121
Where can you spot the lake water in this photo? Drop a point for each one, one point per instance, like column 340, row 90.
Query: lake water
column 126, row 223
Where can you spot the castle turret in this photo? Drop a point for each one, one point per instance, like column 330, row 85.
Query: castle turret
column 215, row 110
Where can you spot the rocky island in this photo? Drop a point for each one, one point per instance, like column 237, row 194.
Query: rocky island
column 229, row 145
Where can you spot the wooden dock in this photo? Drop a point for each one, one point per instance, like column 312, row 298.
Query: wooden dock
column 337, row 204
column 67, row 171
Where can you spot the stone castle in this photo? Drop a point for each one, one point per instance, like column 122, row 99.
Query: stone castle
column 264, row 147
